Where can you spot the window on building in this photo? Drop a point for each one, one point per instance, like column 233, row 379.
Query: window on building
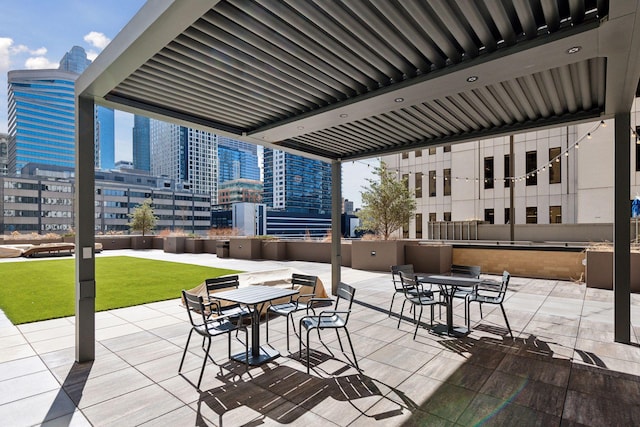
column 507, row 171
column 432, row 151
column 405, row 180
column 446, row 148
column 418, row 153
column 405, row 230
column 446, row 185
column 418, row 226
column 432, row 217
column 432, row 183
column 418, row 182
column 531, row 163
column 554, row 166
column 555, row 214
column 488, row 172
column 405, row 155
column 532, row 215
column 446, row 216
column 507, row 215
column 489, row 216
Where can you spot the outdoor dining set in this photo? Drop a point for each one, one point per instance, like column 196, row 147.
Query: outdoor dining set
column 220, row 306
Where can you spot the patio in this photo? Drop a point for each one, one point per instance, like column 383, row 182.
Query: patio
column 562, row 367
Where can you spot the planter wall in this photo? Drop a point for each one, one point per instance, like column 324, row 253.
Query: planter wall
column 209, row 246
column 114, row 242
column 194, row 246
column 553, row 263
column 141, row 242
column 435, row 259
column 158, row 242
column 599, row 271
column 245, row 248
column 174, row 244
column 309, row 251
column 377, row 255
column 274, row 250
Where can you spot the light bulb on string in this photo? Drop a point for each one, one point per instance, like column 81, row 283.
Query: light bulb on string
column 577, row 145
column 588, row 137
column 566, row 154
column 603, row 124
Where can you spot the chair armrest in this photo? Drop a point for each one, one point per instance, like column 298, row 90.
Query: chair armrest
column 330, row 313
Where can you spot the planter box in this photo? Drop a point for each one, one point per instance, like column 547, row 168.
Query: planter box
column 141, row 242
column 158, row 242
column 377, row 255
column 274, row 250
column 114, row 242
column 174, row 244
column 209, row 246
column 434, row 259
column 245, row 248
column 599, row 270
column 194, row 246
column 311, row 251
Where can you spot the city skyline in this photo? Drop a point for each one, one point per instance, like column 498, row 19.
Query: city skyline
column 36, row 34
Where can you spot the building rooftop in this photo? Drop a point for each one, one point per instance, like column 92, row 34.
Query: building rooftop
column 562, row 367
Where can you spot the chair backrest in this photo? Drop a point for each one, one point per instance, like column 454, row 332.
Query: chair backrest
column 346, row 293
column 302, row 280
column 408, row 281
column 505, row 283
column 222, row 283
column 195, row 306
column 466, row 270
column 395, row 274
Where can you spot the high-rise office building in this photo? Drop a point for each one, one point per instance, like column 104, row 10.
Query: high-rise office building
column 186, row 155
column 76, row 61
column 4, row 153
column 237, row 160
column 141, row 143
column 296, row 184
column 41, row 118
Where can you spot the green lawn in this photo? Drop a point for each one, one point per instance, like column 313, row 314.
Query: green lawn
column 39, row 290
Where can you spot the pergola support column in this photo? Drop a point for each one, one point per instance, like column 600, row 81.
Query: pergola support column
column 84, row 227
column 336, row 224
column 622, row 229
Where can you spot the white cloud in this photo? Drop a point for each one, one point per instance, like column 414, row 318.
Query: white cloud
column 40, row 62
column 92, row 55
column 5, row 52
column 97, row 39
column 39, row 52
column 19, row 49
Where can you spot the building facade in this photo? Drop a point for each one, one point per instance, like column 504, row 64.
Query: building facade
column 186, row 155
column 237, row 191
column 141, row 143
column 237, row 160
column 41, row 200
column 4, row 153
column 296, row 184
column 561, row 175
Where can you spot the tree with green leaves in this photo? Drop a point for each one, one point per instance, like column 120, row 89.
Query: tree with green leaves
column 142, row 218
column 387, row 204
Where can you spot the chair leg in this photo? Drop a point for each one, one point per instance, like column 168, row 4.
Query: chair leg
column 481, row 316
column 246, row 349
column 352, row 351
column 339, row 341
column 391, row 306
column 401, row 311
column 308, row 350
column 417, row 323
column 184, row 353
column 229, row 344
column 287, row 321
column 506, row 321
column 266, row 325
column 204, row 362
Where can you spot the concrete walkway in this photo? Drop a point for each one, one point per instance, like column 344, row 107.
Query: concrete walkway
column 562, row 367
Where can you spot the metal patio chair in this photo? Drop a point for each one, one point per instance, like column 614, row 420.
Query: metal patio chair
column 415, row 294
column 492, row 292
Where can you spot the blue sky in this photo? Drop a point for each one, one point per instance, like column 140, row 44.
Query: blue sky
column 37, row 34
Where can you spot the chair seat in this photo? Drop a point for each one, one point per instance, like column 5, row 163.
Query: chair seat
column 216, row 328
column 462, row 292
column 422, row 300
column 425, row 293
column 485, row 298
column 334, row 321
column 287, row 307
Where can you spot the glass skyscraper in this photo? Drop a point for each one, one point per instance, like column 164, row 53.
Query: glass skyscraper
column 141, row 143
column 237, row 160
column 296, row 184
column 76, row 61
column 41, row 118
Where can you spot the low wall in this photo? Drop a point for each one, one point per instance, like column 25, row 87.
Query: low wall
column 543, row 263
column 114, row 242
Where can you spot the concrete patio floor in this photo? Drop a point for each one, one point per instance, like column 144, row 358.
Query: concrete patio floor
column 562, row 368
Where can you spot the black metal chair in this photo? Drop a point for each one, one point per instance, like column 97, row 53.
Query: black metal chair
column 331, row 319
column 492, row 292
column 416, row 296
column 472, row 271
column 209, row 327
column 225, row 308
column 397, row 281
column 296, row 303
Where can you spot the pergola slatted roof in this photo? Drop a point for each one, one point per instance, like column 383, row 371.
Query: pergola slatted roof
column 353, row 79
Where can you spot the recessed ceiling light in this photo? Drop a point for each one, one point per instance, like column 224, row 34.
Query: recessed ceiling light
column 399, row 100
column 344, row 116
column 574, row 49
column 472, row 79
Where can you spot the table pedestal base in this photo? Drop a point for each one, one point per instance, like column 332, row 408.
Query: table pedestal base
column 264, row 355
column 459, row 331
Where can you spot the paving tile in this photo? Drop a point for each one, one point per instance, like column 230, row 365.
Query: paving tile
column 490, row 411
column 19, row 367
column 591, row 410
column 16, row 352
column 25, row 386
column 37, row 409
column 106, row 387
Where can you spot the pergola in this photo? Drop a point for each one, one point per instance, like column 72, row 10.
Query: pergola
column 351, row 79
